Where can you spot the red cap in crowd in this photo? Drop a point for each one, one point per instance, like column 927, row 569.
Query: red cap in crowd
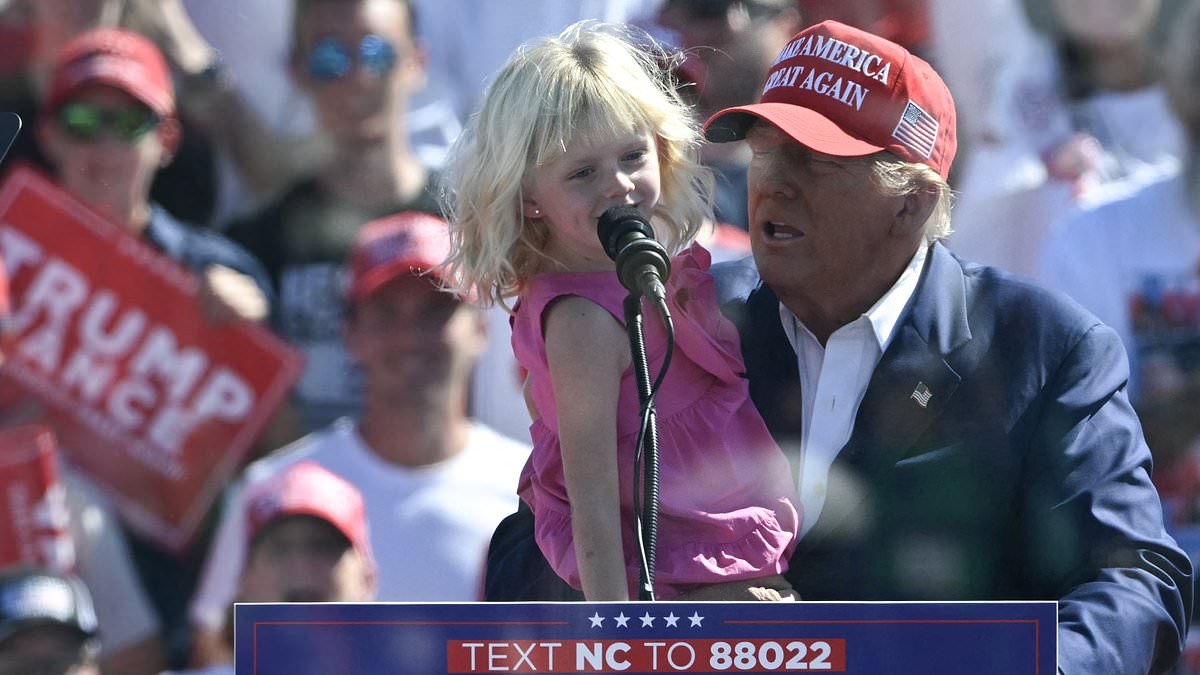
column 844, row 92
column 118, row 58
column 406, row 243
column 308, row 489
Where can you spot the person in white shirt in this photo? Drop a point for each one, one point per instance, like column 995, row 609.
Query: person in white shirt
column 435, row 482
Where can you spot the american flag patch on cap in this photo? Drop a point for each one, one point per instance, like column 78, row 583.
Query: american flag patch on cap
column 917, row 130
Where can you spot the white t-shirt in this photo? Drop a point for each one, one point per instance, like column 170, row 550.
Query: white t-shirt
column 1121, row 260
column 430, row 526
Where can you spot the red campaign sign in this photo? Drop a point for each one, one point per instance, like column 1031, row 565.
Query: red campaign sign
column 154, row 402
column 34, row 528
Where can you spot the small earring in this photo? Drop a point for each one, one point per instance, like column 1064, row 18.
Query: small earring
column 537, row 213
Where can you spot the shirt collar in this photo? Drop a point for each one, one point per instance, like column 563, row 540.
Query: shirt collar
column 884, row 315
column 165, row 233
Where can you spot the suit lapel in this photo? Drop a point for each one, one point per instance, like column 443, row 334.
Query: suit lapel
column 910, row 387
column 913, row 383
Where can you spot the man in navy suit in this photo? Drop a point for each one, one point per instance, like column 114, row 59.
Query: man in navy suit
column 955, row 433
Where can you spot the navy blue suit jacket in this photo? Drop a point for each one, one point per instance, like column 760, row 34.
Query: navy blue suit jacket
column 1023, row 475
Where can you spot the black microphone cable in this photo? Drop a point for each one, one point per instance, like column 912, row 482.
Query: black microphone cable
column 642, row 267
column 646, row 519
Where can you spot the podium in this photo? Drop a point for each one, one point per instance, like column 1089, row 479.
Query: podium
column 932, row 638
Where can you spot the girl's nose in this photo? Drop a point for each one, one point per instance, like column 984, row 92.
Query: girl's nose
column 620, row 187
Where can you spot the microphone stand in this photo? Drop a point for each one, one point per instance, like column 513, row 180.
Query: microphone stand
column 646, row 522
column 642, row 267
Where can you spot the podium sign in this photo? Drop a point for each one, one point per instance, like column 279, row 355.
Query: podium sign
column 985, row 638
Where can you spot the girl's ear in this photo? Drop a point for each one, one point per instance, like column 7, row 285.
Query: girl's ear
column 530, row 209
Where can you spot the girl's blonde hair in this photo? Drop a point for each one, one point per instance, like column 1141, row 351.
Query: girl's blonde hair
column 593, row 81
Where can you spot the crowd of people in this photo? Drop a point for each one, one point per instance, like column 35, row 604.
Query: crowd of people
column 406, row 193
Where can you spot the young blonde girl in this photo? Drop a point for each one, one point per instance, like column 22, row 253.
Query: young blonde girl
column 572, row 126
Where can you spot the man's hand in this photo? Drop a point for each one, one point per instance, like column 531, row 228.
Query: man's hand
column 228, row 295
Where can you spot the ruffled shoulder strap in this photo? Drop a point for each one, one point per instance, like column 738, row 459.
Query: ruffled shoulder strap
column 601, row 288
column 543, row 289
column 701, row 331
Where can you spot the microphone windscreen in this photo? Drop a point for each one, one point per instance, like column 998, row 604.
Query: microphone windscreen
column 618, row 221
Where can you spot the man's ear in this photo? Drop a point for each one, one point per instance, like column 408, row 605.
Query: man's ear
column 171, row 133
column 914, row 212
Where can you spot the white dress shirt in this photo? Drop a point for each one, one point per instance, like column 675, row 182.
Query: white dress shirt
column 833, row 381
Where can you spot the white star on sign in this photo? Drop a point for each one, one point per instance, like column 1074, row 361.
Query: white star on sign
column 596, row 620
column 622, row 620
column 695, row 618
column 647, row 620
column 672, row 620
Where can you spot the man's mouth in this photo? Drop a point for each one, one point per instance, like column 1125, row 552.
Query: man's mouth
column 780, row 231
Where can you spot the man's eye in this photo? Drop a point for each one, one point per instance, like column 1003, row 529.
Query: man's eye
column 827, row 165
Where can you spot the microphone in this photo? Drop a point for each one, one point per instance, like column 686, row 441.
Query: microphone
column 642, row 263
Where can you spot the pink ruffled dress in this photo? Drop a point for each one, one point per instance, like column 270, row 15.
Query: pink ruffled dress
column 727, row 507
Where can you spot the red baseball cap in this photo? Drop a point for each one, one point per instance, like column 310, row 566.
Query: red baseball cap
column 118, row 58
column 844, row 92
column 308, row 489
column 411, row 242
